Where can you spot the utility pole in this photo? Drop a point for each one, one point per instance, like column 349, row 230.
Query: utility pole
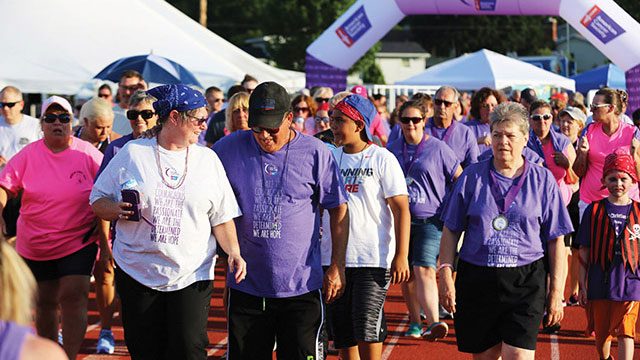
column 203, row 13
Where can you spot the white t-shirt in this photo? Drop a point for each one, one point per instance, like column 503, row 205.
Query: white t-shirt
column 172, row 246
column 121, row 124
column 14, row 137
column 370, row 177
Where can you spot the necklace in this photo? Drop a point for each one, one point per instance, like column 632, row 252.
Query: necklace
column 184, row 174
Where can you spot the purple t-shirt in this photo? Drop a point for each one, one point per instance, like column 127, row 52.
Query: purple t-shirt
column 459, row 138
column 479, row 130
column 111, row 151
column 429, row 175
column 536, row 216
column 12, row 337
column 280, row 195
column 620, row 283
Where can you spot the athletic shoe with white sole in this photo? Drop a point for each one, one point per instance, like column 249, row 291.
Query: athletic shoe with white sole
column 106, row 343
column 415, row 330
column 435, row 331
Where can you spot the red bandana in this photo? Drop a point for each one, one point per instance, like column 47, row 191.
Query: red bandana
column 350, row 111
column 620, row 161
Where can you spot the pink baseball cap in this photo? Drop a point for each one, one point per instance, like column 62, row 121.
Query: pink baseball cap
column 57, row 100
column 359, row 90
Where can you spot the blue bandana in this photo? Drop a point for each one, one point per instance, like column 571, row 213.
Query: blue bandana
column 176, row 97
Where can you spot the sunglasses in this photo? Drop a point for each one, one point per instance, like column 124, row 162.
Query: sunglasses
column 322, row 100
column 594, row 107
column 439, row 102
column 51, row 118
column 8, row 104
column 406, row 119
column 539, row 117
column 324, row 119
column 145, row 114
column 260, row 129
column 299, row 109
column 199, row 121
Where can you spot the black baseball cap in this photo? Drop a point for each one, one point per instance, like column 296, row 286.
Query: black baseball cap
column 529, row 95
column 268, row 103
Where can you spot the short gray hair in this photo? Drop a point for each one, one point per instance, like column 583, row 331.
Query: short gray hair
column 335, row 99
column 456, row 94
column 512, row 113
column 94, row 108
column 140, row 96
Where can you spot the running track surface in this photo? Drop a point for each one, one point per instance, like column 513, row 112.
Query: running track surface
column 570, row 343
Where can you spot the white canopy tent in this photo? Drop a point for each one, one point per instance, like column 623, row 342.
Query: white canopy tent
column 487, row 68
column 56, row 46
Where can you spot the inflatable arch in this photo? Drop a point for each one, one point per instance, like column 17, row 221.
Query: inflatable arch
column 605, row 24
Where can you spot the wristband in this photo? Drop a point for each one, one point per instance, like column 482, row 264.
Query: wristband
column 445, row 265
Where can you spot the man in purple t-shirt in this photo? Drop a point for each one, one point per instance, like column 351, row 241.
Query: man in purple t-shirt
column 282, row 179
column 443, row 127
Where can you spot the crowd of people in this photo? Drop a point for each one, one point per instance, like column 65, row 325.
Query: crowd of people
column 481, row 206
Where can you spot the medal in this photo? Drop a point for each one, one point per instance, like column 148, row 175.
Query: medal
column 500, row 222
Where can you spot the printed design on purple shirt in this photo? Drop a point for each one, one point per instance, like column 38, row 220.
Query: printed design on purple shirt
column 356, row 25
column 502, row 245
column 601, row 25
column 167, row 215
column 267, row 208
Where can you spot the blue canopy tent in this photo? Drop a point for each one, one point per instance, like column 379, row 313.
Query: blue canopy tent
column 606, row 75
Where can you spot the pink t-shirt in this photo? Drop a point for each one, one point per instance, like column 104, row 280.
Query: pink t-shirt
column 55, row 214
column 601, row 145
column 377, row 127
column 558, row 172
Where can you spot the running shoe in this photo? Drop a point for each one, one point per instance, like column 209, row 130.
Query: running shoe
column 435, row 331
column 573, row 300
column 415, row 330
column 60, row 340
column 106, row 343
column 444, row 314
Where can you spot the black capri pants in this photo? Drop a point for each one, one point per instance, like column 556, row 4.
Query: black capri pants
column 164, row 325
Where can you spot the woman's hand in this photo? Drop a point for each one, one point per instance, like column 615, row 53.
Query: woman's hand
column 447, row 290
column 583, row 145
column 107, row 209
column 237, row 266
column 561, row 159
column 400, row 270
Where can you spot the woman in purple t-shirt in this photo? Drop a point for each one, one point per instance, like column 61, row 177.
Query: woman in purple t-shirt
column 430, row 167
column 511, row 211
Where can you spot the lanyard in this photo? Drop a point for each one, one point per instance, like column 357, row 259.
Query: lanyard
column 419, row 149
column 504, row 202
column 447, row 132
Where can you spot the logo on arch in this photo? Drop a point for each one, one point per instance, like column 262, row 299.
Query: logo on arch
column 356, row 25
column 481, row 5
column 601, row 25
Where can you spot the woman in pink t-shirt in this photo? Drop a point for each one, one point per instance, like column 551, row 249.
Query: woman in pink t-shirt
column 606, row 134
column 56, row 231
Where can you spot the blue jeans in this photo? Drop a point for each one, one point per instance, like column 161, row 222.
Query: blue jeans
column 425, row 241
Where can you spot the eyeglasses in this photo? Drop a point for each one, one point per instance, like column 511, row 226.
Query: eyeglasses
column 145, row 114
column 104, row 95
column 324, row 119
column 594, row 107
column 8, row 104
column 260, row 129
column 439, row 102
column 320, row 100
column 540, row 117
column 51, row 118
column 300, row 109
column 407, row 119
column 131, row 88
column 199, row 121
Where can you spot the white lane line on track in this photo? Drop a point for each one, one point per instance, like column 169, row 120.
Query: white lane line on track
column 394, row 340
column 555, row 349
column 219, row 346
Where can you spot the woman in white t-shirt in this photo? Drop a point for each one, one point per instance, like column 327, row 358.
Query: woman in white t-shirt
column 164, row 250
column 379, row 222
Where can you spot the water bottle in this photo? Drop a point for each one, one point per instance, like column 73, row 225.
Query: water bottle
column 126, row 180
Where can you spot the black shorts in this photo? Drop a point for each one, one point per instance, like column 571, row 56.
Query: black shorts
column 358, row 315
column 255, row 322
column 78, row 263
column 574, row 213
column 497, row 305
column 10, row 214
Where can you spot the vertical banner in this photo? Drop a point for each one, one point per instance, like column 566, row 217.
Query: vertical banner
column 320, row 74
column 633, row 88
